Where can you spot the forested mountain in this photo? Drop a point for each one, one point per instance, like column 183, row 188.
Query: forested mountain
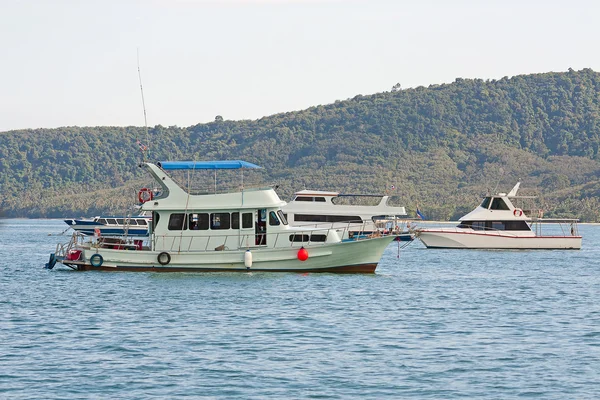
column 442, row 147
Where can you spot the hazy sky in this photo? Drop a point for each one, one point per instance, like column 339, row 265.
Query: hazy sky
column 65, row 63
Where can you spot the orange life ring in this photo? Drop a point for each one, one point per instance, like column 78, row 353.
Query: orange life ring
column 518, row 212
column 145, row 195
column 97, row 232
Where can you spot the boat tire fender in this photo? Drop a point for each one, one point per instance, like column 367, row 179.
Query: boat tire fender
column 164, row 258
column 518, row 212
column 96, row 260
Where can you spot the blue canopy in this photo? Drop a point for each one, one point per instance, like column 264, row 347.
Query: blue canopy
column 225, row 164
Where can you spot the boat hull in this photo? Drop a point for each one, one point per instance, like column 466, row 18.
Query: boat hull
column 342, row 257
column 475, row 240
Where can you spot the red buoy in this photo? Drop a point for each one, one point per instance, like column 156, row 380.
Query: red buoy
column 302, row 254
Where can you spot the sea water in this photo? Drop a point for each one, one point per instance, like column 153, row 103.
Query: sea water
column 429, row 324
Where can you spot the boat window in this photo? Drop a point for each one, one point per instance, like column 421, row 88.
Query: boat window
column 303, row 198
column 198, row 221
column 120, row 221
column 273, row 220
column 102, row 221
column 478, row 225
column 517, row 226
column 111, row 221
column 498, row 204
column 318, row 238
column 299, row 238
column 220, row 221
column 320, row 199
column 235, row 220
column 155, row 218
column 132, row 222
column 282, row 217
column 141, row 222
column 327, row 218
column 497, row 226
column 177, row 222
column 486, row 202
column 247, row 220
column 465, row 224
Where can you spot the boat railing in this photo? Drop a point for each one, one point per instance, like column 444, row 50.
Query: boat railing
column 292, row 238
column 567, row 226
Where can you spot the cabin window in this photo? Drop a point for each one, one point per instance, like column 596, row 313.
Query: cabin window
column 465, row 224
column 120, row 221
column 498, row 204
column 303, row 198
column 486, row 202
column 478, row 225
column 155, row 218
column 220, row 221
column 247, row 220
column 517, row 226
column 177, row 222
column 273, row 220
column 111, row 221
column 299, row 238
column 320, row 199
column 198, row 221
column 235, row 220
column 141, row 222
column 282, row 217
column 102, row 221
column 497, row 226
column 327, row 218
column 318, row 238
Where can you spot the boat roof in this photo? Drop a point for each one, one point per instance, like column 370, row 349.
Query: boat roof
column 306, row 192
column 222, row 164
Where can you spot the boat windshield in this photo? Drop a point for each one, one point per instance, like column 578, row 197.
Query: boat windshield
column 486, row 202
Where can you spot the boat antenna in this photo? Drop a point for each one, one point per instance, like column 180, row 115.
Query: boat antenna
column 501, row 170
column 143, row 147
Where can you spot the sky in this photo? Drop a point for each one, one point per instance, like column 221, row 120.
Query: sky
column 75, row 63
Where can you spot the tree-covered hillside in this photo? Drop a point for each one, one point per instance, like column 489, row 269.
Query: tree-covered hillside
column 442, row 147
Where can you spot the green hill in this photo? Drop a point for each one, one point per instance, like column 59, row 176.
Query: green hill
column 442, row 147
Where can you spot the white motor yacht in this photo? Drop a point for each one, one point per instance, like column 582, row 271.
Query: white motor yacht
column 318, row 208
column 498, row 224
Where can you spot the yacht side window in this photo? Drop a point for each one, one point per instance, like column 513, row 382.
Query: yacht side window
column 177, row 222
column 273, row 220
column 198, row 221
column 478, row 225
column 320, row 199
column 220, row 221
column 247, row 220
column 498, row 204
column 282, row 217
column 235, row 220
column 303, row 198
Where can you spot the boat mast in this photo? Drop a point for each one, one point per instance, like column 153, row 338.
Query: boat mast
column 143, row 148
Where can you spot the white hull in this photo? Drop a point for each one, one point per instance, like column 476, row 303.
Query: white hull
column 361, row 256
column 494, row 240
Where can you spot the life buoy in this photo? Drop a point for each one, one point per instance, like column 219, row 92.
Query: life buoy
column 96, row 260
column 164, row 258
column 145, row 195
column 97, row 232
column 518, row 212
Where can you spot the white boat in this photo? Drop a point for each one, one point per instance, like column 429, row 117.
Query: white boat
column 498, row 224
column 236, row 231
column 136, row 225
column 327, row 209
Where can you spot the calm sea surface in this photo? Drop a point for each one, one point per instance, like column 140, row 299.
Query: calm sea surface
column 431, row 324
